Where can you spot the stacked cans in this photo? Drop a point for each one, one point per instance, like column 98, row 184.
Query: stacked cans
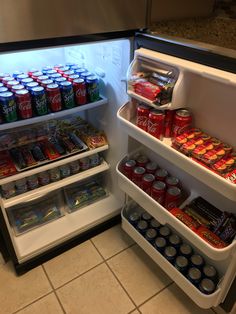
column 180, row 254
column 155, row 181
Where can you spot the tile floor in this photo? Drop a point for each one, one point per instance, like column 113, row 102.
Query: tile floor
column 108, row 274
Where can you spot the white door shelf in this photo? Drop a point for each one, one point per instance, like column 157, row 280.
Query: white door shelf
column 39, row 192
column 53, row 115
column 165, row 217
column 53, row 164
column 203, row 300
column 126, row 115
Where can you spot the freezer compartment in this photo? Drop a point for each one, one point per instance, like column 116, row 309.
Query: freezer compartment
column 127, row 117
column 26, row 217
column 165, row 217
column 201, row 299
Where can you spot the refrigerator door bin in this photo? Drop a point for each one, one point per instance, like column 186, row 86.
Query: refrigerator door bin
column 165, row 217
column 203, row 300
column 127, row 117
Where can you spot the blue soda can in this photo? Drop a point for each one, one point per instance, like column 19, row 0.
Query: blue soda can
column 46, row 69
column 80, row 71
column 26, row 81
column 75, row 67
column 85, row 74
column 31, row 85
column 39, row 100
column 21, row 77
column 55, row 76
column 3, row 89
column 1, row 85
column 51, row 72
column 67, row 94
column 59, row 80
column 92, row 88
column 8, row 107
column 16, row 73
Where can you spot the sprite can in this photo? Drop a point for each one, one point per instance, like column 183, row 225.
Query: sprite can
column 8, row 106
column 67, row 94
column 92, row 88
column 39, row 100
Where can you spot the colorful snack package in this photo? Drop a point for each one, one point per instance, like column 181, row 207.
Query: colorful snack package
column 186, row 219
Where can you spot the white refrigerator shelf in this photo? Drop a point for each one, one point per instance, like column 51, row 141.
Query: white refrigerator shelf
column 147, row 101
column 165, row 217
column 39, row 192
column 126, row 115
column 53, row 115
column 203, row 300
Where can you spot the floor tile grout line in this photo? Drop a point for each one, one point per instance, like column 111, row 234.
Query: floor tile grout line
column 117, row 278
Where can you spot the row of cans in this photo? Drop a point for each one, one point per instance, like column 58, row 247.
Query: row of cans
column 180, row 254
column 155, row 181
column 158, row 123
column 53, row 175
column 38, row 93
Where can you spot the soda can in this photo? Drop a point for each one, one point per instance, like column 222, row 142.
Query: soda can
column 42, row 78
column 35, row 75
column 1, row 85
column 70, row 64
column 197, row 261
column 207, row 286
column 194, row 275
column 94, row 160
column 170, row 254
column 54, row 174
column 43, row 178
column 161, row 174
column 134, row 218
column 150, row 235
column 79, row 87
column 63, row 69
column 147, row 181
column 17, row 87
column 67, row 95
column 156, row 123
column 46, row 69
column 128, row 168
column 142, row 226
column 151, row 167
column 158, row 191
column 137, row 175
column 55, row 76
column 31, row 71
column 12, row 83
column 32, row 182
column 26, row 81
column 142, row 117
column 8, row 190
column 185, row 250
column 73, row 77
column 51, row 72
column 2, row 75
column 92, row 88
column 142, row 161
column 146, row 216
column 165, row 232
column 64, row 171
column 174, row 240
column 155, row 224
column 7, row 79
column 84, row 163
column 75, row 67
column 68, row 73
column 21, row 186
column 85, row 74
column 39, row 100
column 169, row 115
column 80, row 71
column 57, row 66
column 54, row 97
column 31, row 85
column 16, row 73
column 210, row 272
column 181, row 264
column 8, row 107
column 59, row 80
column 22, row 77
column 160, row 244
column 4, row 89
column 182, row 122
column 173, row 197
column 45, row 83
column 172, row 181
column 74, row 167
column 24, row 105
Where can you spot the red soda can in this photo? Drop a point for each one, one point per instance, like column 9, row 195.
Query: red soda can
column 169, row 115
column 31, row 71
column 73, row 77
column 79, row 88
column 17, row 87
column 24, row 105
column 142, row 117
column 173, row 197
column 54, row 97
column 147, row 181
column 42, row 78
column 2, row 75
column 142, row 161
column 45, row 83
column 61, row 70
column 156, row 120
column 137, row 175
column 35, row 75
column 172, row 181
column 12, row 83
column 161, row 174
column 151, row 167
column 128, row 168
column 7, row 79
column 182, row 122
column 158, row 191
column 66, row 74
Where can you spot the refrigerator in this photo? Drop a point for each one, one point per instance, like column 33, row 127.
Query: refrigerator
column 203, row 82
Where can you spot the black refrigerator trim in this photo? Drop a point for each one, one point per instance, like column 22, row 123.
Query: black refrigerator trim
column 211, row 59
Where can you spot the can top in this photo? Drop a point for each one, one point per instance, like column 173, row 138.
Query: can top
column 47, row 82
column 22, row 92
column 155, row 224
column 172, row 180
column 86, row 73
column 134, row 217
column 151, row 234
column 130, row 163
column 13, row 83
column 157, row 112
column 56, row 75
column 4, row 89
column 197, row 260
column 47, row 67
column 181, row 261
column 66, row 84
column 43, row 77
column 174, row 239
column 209, row 271
column 151, row 165
column 17, row 87
column 79, row 71
column 161, row 173
column 4, row 75
column 6, row 94
column 146, row 216
column 207, row 286
column 160, row 242
column 183, row 113
column 27, row 80
column 51, row 72
column 79, row 80
column 159, row 185
column 69, row 72
column 22, row 76
column 75, row 67
column 38, row 73
column 148, row 177
column 170, row 251
column 91, row 78
column 165, row 231
column 8, row 78
column 32, row 84
column 64, row 69
column 15, row 73
column 37, row 89
column 73, row 76
column 194, row 273
column 139, row 170
column 58, row 66
column 142, row 225
column 52, row 86
column 185, row 249
column 174, row 191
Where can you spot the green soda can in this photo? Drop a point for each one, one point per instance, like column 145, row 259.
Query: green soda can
column 8, row 106
column 39, row 100
column 92, row 88
column 67, row 94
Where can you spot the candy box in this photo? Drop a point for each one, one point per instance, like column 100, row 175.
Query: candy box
column 186, row 219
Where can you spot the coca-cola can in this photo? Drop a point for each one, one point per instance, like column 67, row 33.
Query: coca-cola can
column 54, row 97
column 142, row 161
column 169, row 115
column 151, row 167
column 24, row 104
column 137, row 175
column 79, row 87
column 142, row 117
column 128, row 168
column 161, row 174
column 173, row 197
column 172, row 181
column 158, row 191
column 156, row 120
column 182, row 122
column 45, row 83
column 147, row 181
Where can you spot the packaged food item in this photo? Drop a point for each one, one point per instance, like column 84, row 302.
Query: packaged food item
column 8, row 190
column 186, row 219
column 76, row 140
column 231, row 176
column 49, row 150
column 67, row 144
column 147, row 90
column 60, row 149
column 38, row 153
column 182, row 121
column 64, row 171
column 54, row 174
column 210, row 237
column 188, row 147
column 92, row 88
column 94, row 160
column 7, row 167
column 32, row 182
column 74, row 167
column 28, row 157
column 44, row 178
column 84, row 163
column 155, row 126
column 21, row 186
column 24, row 105
column 39, row 100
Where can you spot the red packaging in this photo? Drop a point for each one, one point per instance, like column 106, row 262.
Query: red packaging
column 172, row 181
column 199, row 151
column 142, row 161
column 79, row 87
column 186, row 219
column 210, row 237
column 7, row 167
column 158, row 191
column 147, row 90
column 50, row 151
column 151, row 167
column 231, row 176
column 156, row 120
column 179, row 140
column 54, row 97
column 28, row 157
column 182, row 121
column 147, row 181
column 161, row 174
column 128, row 168
column 142, row 117
column 24, row 105
column 137, row 175
column 188, row 147
column 173, row 197
column 169, row 115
